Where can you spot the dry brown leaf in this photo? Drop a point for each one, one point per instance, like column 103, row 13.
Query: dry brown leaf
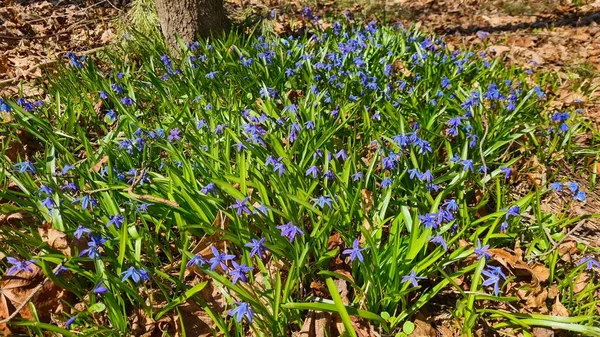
column 221, row 223
column 558, row 309
column 537, row 301
column 107, row 36
column 56, row 239
column 96, row 168
column 16, row 289
column 542, row 332
column 581, row 282
column 510, row 261
column 316, row 324
column 423, row 329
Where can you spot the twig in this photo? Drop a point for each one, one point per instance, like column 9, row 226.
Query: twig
column 152, row 198
column 556, row 245
column 137, row 178
column 29, row 297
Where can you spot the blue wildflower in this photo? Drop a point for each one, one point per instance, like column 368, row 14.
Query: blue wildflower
column 412, row 278
column 355, row 251
column 242, row 309
column 136, row 275
column 257, row 247
column 239, row 271
column 482, row 251
column 590, row 262
column 19, row 265
column 116, row 220
column 290, row 231
column 386, row 182
column 23, row 167
column 322, row 201
column 219, row 259
column 80, row 231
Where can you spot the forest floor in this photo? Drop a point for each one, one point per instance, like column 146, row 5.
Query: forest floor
column 561, row 38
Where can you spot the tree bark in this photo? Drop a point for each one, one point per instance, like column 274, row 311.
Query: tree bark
column 190, row 19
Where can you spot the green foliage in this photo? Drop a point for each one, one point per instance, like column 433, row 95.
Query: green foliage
column 222, row 148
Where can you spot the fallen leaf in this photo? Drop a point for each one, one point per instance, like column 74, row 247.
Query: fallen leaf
column 23, row 286
column 55, row 239
column 423, row 329
column 510, row 261
column 558, row 309
column 542, row 332
column 96, row 168
column 581, row 282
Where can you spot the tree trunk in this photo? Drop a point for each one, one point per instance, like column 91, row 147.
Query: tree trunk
column 190, row 19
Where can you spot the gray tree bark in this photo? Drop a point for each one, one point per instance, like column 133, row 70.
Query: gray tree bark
column 190, row 19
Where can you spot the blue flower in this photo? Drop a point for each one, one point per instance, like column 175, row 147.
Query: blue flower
column 556, row 186
column 341, row 154
column 143, row 207
column 467, row 164
column 241, row 206
column 174, row 135
column 127, row 101
column 329, row 175
column 19, row 266
column 426, row 176
column 136, row 275
column 440, row 241
column 23, row 167
column 513, row 211
column 590, row 262
column 322, row 201
column 257, row 246
column 503, row 226
column 389, row 162
column 386, row 182
column 100, row 288
column 219, row 259
column 412, row 173
column 80, row 231
column 116, row 220
column 412, row 278
column 103, row 95
column 506, row 171
column 70, row 321
column 111, row 115
column 494, row 275
column 580, row 196
column 74, row 60
column 355, row 251
column 312, row 171
column 573, row 187
column 482, row 251
column 242, row 309
column 196, row 260
column 86, row 201
column 48, row 203
column 239, row 271
column 208, row 189
column 451, row 205
column 290, row 231
column 94, row 245
column 357, row 176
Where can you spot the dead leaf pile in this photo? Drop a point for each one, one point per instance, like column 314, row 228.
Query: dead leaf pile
column 35, row 32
